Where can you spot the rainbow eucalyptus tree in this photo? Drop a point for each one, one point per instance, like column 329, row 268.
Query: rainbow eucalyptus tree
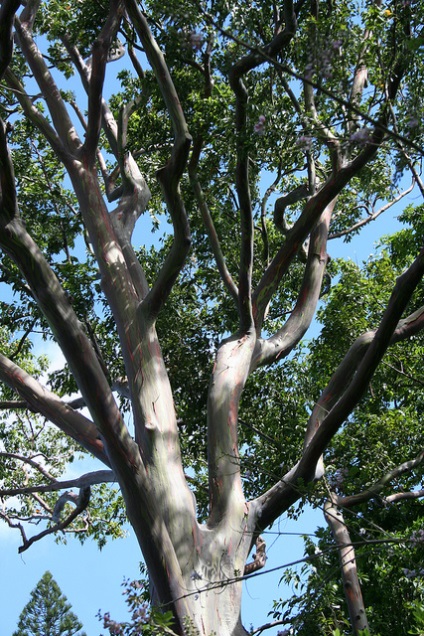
column 250, row 134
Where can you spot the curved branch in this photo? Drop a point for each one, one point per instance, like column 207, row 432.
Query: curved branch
column 374, row 491
column 305, row 223
column 374, row 215
column 81, row 504
column 280, row 344
column 30, row 461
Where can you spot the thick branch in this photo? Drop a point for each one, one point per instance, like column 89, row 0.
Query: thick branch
column 41, row 400
column 48, row 87
column 69, row 334
column 229, row 376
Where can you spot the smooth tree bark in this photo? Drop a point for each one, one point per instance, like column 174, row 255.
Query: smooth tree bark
column 196, row 569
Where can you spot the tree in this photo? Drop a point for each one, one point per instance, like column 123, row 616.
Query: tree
column 48, row 613
column 213, row 99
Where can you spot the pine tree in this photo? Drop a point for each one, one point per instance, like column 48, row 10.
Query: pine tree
column 48, row 612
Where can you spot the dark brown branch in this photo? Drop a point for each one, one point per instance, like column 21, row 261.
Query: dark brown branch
column 81, row 505
column 241, row 68
column 8, row 203
column 100, row 56
column 7, row 16
column 374, row 491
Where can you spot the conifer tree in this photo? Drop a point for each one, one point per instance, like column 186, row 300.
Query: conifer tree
column 48, row 612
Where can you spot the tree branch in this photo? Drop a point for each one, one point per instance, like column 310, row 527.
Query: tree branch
column 374, row 491
column 41, row 400
column 48, row 87
column 81, row 504
column 384, row 335
column 209, row 224
column 99, row 60
column 30, row 461
column 7, row 16
column 89, row 479
column 35, row 116
column 374, row 215
column 241, row 68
